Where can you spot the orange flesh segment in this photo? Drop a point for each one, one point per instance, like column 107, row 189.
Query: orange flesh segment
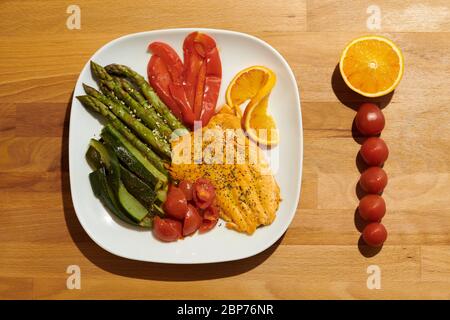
column 262, row 123
column 254, row 84
column 372, row 66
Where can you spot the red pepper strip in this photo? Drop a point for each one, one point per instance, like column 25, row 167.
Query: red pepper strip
column 179, row 95
column 160, row 79
column 175, row 69
column 204, row 44
column 212, row 88
column 203, row 73
column 170, row 58
column 212, row 85
column 199, row 91
column 192, row 64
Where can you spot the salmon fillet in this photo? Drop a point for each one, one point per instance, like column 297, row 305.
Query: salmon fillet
column 247, row 194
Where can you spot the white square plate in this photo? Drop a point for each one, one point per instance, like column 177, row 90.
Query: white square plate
column 237, row 51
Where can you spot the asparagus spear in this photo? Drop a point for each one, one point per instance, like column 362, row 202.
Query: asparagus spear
column 159, row 144
column 139, row 129
column 148, row 92
column 143, row 109
column 110, row 94
column 108, row 97
column 135, row 93
column 99, row 103
column 114, row 85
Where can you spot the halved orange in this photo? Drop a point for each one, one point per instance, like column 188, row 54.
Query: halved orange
column 255, row 84
column 372, row 65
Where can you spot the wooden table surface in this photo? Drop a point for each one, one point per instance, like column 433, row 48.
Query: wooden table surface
column 319, row 256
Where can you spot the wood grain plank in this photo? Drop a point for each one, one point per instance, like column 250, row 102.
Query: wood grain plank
column 20, row 154
column 308, row 192
column 426, row 191
column 343, row 227
column 314, row 64
column 16, row 288
column 395, row 16
column 41, row 120
column 7, row 120
column 333, row 120
column 143, row 15
column 436, row 263
column 302, row 262
column 51, row 288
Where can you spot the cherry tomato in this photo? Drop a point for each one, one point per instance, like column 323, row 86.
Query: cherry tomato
column 210, row 218
column 374, row 151
column 373, row 180
column 186, row 186
column 204, row 193
column 374, row 234
column 372, row 207
column 176, row 203
column 166, row 229
column 369, row 119
column 192, row 221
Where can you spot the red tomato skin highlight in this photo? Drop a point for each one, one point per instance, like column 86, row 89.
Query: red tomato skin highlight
column 369, row 119
column 372, row 208
column 374, row 151
column 192, row 221
column 207, row 225
column 166, row 230
column 210, row 218
column 203, row 193
column 175, row 205
column 374, row 234
column 373, row 180
column 187, row 188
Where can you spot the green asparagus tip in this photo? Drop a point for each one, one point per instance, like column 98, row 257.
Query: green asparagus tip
column 88, row 102
column 82, row 98
column 87, row 88
column 99, row 71
column 94, row 65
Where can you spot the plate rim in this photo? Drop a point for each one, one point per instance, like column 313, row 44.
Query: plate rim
column 299, row 139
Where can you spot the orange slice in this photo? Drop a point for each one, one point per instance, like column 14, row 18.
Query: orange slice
column 372, row 66
column 254, row 84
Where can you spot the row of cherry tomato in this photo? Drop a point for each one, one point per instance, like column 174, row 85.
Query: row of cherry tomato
column 189, row 207
column 370, row 122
